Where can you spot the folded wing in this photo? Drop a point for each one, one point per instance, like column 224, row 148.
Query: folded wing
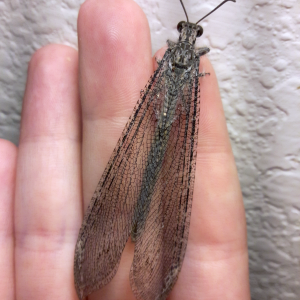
column 161, row 246
column 108, row 220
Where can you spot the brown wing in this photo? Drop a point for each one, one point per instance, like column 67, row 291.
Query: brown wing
column 108, row 221
column 160, row 248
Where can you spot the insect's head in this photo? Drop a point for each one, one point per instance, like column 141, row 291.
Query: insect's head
column 190, row 31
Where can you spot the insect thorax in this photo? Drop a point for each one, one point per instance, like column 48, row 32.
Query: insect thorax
column 184, row 55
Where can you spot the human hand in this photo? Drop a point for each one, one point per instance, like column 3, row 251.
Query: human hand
column 65, row 143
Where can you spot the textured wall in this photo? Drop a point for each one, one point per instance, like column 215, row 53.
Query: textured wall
column 255, row 49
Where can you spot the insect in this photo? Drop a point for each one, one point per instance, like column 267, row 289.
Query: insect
column 147, row 187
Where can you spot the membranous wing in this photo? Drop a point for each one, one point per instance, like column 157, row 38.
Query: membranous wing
column 109, row 218
column 161, row 242
column 146, row 190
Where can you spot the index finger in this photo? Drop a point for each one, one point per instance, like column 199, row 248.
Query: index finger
column 216, row 255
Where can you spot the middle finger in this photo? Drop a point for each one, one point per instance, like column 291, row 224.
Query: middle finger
column 115, row 63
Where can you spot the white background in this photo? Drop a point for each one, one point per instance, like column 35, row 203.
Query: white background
column 255, row 50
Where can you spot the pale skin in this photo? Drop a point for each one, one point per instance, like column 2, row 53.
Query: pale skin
column 68, row 132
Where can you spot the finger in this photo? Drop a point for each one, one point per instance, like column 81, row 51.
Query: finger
column 216, row 261
column 48, row 186
column 217, row 172
column 115, row 64
column 8, row 156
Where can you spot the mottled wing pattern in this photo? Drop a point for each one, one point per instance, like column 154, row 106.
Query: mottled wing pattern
column 109, row 218
column 160, row 248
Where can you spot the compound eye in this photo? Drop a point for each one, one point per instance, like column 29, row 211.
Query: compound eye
column 199, row 31
column 180, row 25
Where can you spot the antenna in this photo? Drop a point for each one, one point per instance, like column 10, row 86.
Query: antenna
column 212, row 10
column 187, row 18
